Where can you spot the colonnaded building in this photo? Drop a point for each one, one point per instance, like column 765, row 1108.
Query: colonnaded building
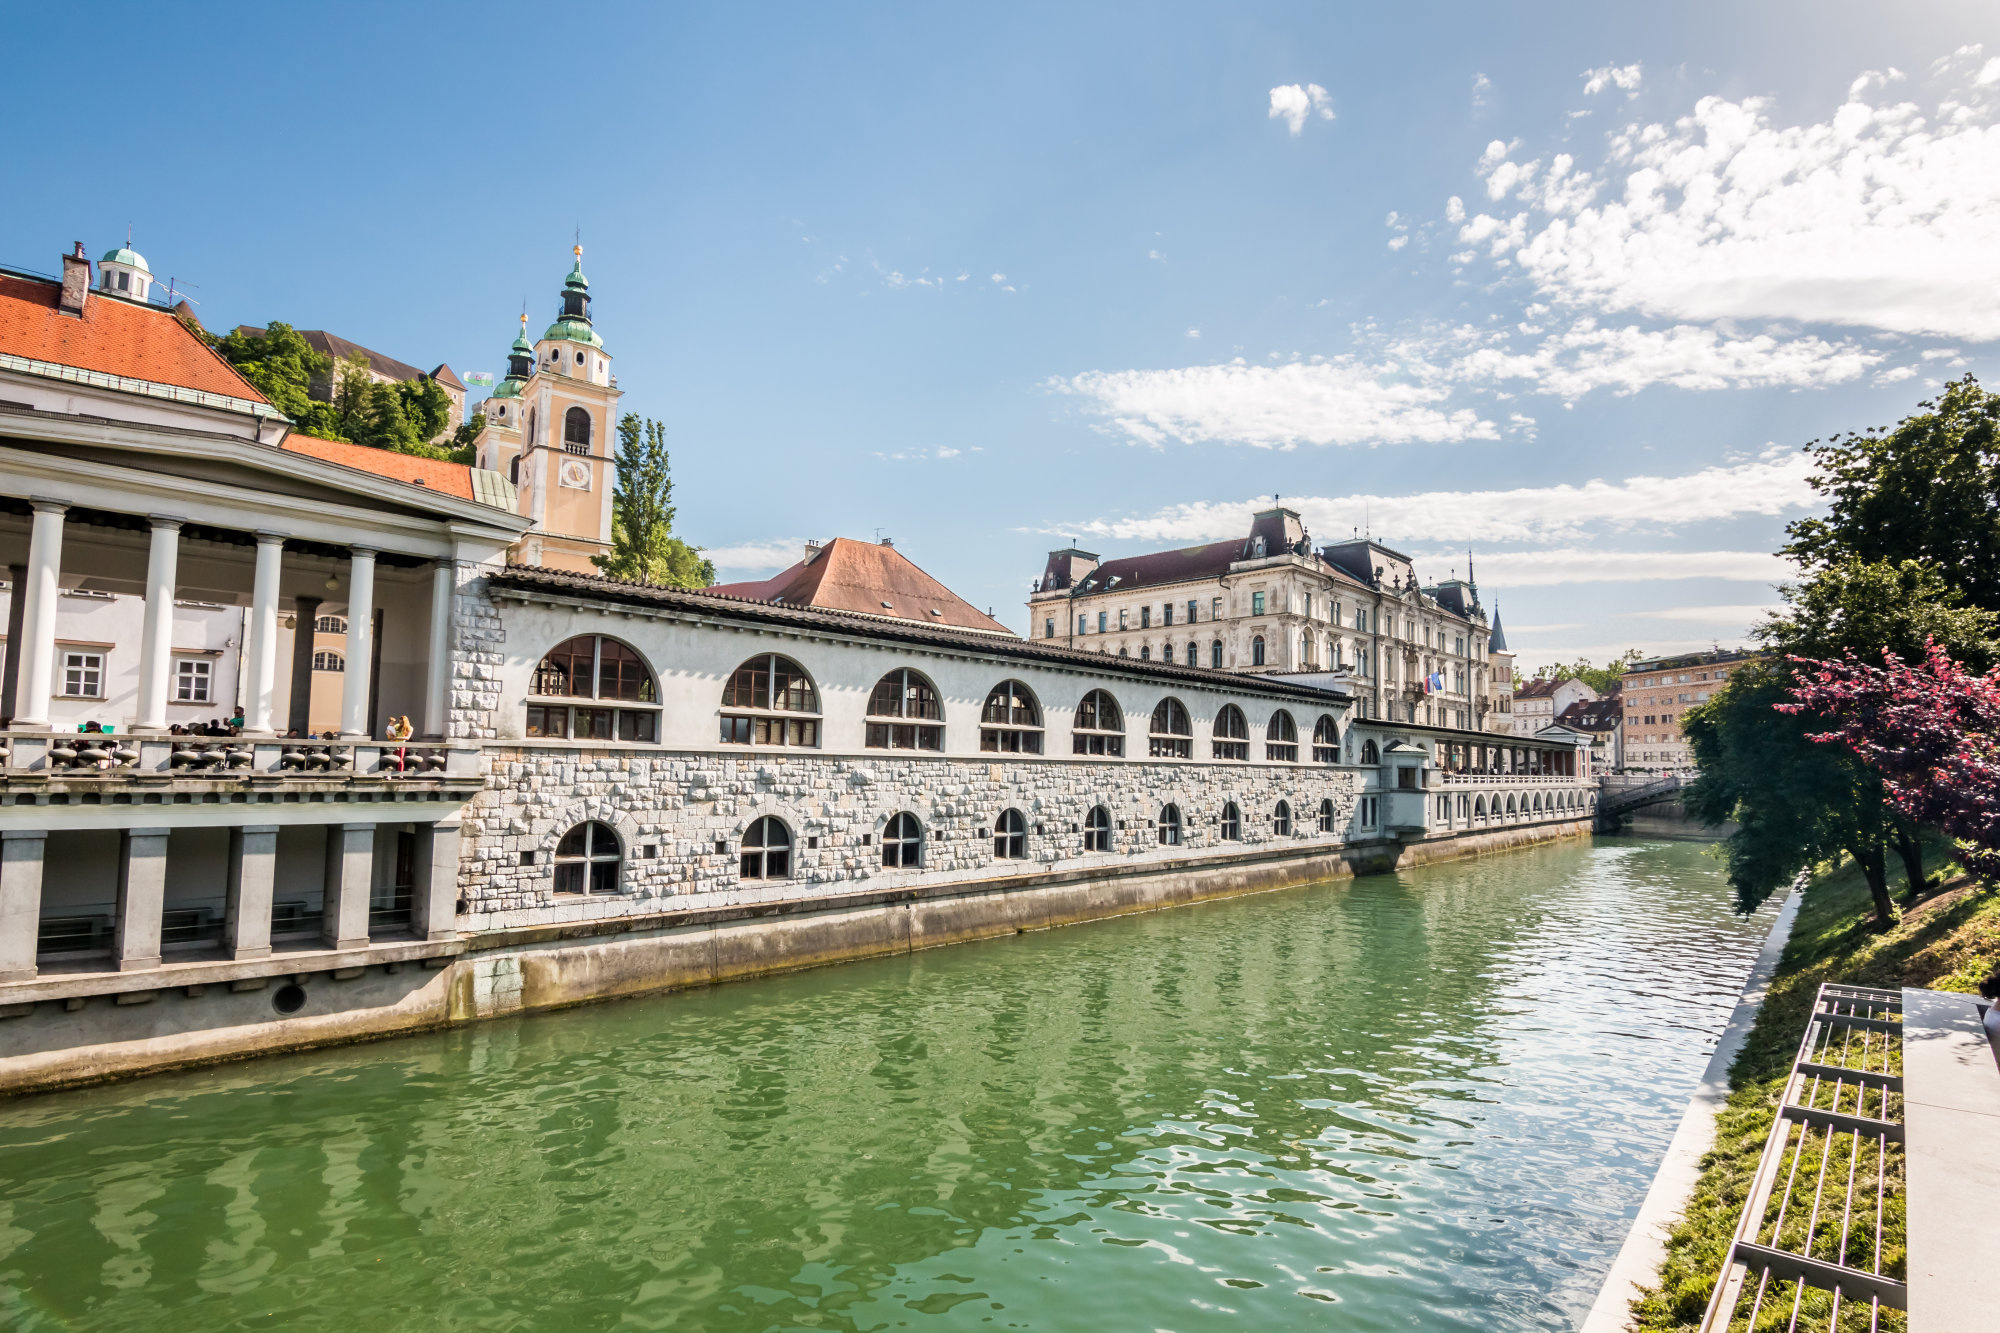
column 612, row 788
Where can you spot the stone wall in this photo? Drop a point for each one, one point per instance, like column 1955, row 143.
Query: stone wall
column 479, row 640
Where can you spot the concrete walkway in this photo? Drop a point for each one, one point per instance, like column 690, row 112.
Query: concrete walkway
column 1645, row 1248
column 1951, row 1162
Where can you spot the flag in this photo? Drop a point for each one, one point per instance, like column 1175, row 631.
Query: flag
column 482, row 378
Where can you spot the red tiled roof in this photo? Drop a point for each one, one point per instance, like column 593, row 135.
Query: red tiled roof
column 116, row 337
column 860, row 577
column 453, row 479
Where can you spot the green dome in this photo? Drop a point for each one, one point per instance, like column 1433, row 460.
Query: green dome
column 572, row 330
column 129, row 258
column 508, row 388
column 521, row 343
column 576, row 278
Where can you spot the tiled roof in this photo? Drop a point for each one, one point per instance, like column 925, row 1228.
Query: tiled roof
column 1591, row 715
column 115, row 337
column 1540, row 688
column 867, row 579
column 712, row 601
column 444, row 376
column 454, row 479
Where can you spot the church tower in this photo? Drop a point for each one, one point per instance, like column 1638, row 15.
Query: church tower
column 549, row 429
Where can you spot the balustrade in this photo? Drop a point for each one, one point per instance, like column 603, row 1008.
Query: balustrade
column 73, row 756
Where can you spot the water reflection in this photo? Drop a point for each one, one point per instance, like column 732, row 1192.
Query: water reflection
column 1422, row 1100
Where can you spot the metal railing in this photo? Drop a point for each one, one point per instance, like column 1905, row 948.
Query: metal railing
column 1820, row 1238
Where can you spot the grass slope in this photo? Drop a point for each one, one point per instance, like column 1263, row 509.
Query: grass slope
column 1950, row 941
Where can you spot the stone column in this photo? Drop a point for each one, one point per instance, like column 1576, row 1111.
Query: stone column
column 434, row 906
column 253, row 865
column 142, row 893
column 38, row 591
column 437, row 667
column 360, row 643
column 156, row 637
column 20, row 901
column 260, row 655
column 298, row 714
column 350, row 873
column 10, row 674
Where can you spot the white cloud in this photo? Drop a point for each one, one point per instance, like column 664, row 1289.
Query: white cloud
column 1625, row 360
column 1773, row 483
column 1721, row 615
column 1623, row 77
column 1324, row 401
column 1880, row 216
column 1542, row 569
column 999, row 277
column 1292, row 104
column 750, row 557
column 1398, row 242
column 1482, row 92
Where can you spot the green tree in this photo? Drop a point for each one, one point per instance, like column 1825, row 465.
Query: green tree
column 1924, row 491
column 427, row 407
column 280, row 362
column 643, row 547
column 1599, row 678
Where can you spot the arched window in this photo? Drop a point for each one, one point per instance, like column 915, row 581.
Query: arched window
column 1232, row 734
column 1099, row 725
column 587, row 859
column 328, row 660
column 1281, row 820
column 1170, row 826
column 330, row 625
column 903, row 841
column 1215, row 654
column 1011, row 721
column 1326, row 740
column 1369, row 754
column 1306, row 648
column 1170, row 735
column 530, row 440
column 1510, row 806
column 1326, row 815
column 1193, row 655
column 767, row 849
column 1145, row 652
column 1097, row 830
column 763, row 700
column 593, row 667
column 1232, row 822
column 514, row 469
column 1257, row 651
column 1479, row 807
column 1010, row 836
column 906, row 694
column 1281, row 738
column 576, row 431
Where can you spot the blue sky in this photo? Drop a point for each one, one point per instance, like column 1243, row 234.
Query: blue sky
column 1566, row 284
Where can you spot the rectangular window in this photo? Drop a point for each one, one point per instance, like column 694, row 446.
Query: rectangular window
column 1215, row 608
column 1256, row 603
column 548, row 721
column 1049, row 628
column 191, row 681
column 83, row 674
column 1193, row 608
column 1103, row 621
column 636, row 727
column 1309, row 606
column 1082, row 624
column 1145, row 617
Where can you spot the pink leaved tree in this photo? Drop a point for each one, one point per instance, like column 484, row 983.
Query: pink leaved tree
column 1932, row 731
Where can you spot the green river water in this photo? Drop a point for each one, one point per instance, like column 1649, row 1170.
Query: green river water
column 1430, row 1100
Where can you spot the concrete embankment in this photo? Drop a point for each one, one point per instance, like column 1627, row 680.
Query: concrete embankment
column 178, row 1016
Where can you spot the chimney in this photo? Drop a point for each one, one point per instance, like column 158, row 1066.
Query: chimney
column 812, row 552
column 888, row 541
column 75, row 282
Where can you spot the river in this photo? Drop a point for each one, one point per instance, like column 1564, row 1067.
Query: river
column 1429, row 1100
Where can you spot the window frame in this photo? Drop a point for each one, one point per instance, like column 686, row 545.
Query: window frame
column 1010, row 836
column 1097, row 829
column 1283, row 746
column 895, row 731
column 619, row 718
column 1281, row 819
column 795, row 728
column 1095, row 738
column 1226, row 743
column 764, row 852
column 902, row 849
column 572, row 415
column 586, row 868
column 1326, row 740
column 1176, row 739
column 1326, row 814
column 1172, row 827
column 90, row 664
column 1006, row 734
column 1230, row 824
column 205, row 675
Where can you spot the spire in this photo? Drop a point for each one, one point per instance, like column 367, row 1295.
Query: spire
column 1497, row 641
column 576, row 291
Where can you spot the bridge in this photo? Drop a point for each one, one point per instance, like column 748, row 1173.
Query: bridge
column 1613, row 804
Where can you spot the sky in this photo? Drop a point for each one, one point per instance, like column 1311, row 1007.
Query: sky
column 1563, row 286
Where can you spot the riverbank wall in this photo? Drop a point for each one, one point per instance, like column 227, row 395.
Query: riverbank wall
column 181, row 1015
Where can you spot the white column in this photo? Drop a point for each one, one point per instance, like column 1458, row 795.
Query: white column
column 253, row 863
column 156, row 639
column 260, row 654
column 437, row 667
column 142, row 895
column 434, row 907
column 20, row 901
column 350, row 874
column 360, row 642
column 37, row 671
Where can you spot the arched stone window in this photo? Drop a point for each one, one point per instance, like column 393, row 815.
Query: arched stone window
column 1193, row 655
column 767, row 849
column 1097, row 830
column 1232, row 822
column 623, row 702
column 1215, row 655
column 1257, row 651
column 1281, row 820
column 328, row 660
column 1099, row 726
column 770, row 700
column 1232, row 734
column 1170, row 735
column 1326, row 740
column 1011, row 721
column 1010, row 836
column 576, row 431
column 587, row 859
column 1369, row 754
column 1326, row 815
column 1170, row 826
column 910, row 698
column 1281, row 738
column 903, row 842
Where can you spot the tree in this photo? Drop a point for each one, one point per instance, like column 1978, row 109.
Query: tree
column 643, row 547
column 1601, row 679
column 1923, row 491
column 279, row 361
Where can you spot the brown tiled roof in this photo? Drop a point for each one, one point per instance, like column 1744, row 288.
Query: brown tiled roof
column 1187, row 565
column 867, row 579
column 1591, row 715
column 716, row 602
column 444, row 376
column 339, row 348
column 1536, row 689
column 140, row 342
column 453, row 479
